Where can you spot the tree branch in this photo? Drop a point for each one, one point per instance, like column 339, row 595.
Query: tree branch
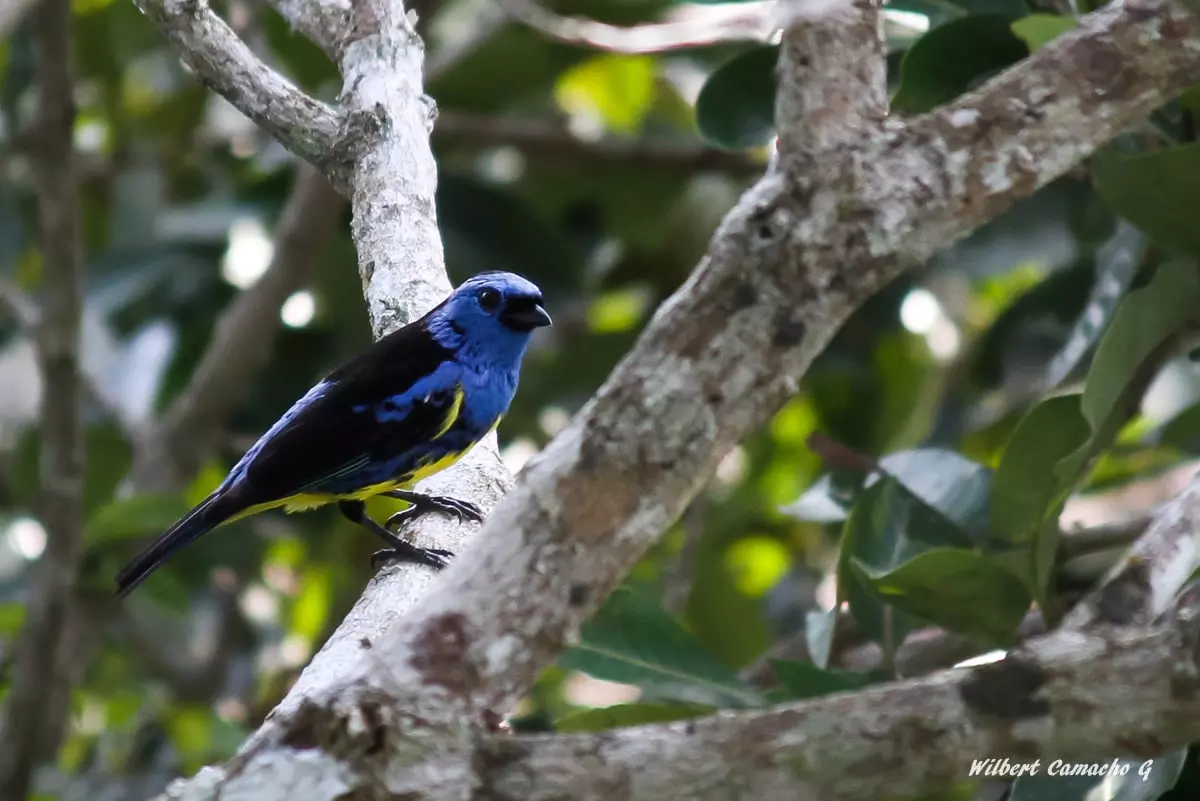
column 242, row 341
column 42, row 673
column 1071, row 696
column 752, row 23
column 1141, row 585
column 225, row 64
column 544, row 139
column 1034, row 121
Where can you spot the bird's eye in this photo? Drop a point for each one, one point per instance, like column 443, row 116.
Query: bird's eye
column 489, row 300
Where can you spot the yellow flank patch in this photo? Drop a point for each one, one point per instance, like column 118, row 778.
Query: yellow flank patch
column 310, row 500
column 452, row 412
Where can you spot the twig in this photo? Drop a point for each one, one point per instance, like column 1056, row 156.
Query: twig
column 544, row 139
column 678, row 575
column 170, row 452
column 1075, row 542
column 225, row 64
column 753, row 23
column 41, row 675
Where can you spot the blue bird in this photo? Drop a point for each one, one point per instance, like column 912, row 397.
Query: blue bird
column 410, row 406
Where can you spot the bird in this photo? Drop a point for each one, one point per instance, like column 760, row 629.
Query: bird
column 409, row 406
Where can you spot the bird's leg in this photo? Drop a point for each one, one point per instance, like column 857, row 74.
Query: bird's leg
column 420, row 504
column 401, row 550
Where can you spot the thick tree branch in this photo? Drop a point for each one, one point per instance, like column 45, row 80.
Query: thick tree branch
column 1073, row 696
column 42, row 674
column 965, row 162
column 175, row 448
column 224, row 63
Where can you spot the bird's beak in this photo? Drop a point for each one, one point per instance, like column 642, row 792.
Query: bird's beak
column 526, row 317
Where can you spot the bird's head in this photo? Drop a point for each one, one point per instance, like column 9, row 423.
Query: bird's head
column 494, row 310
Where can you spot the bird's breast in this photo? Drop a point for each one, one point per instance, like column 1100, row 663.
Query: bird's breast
column 487, row 395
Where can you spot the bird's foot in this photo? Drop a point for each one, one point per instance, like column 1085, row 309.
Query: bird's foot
column 433, row 557
column 423, row 504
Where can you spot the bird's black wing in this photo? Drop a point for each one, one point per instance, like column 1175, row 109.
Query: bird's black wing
column 337, row 435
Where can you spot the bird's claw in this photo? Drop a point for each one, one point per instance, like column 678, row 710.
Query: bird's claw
column 462, row 510
column 436, row 558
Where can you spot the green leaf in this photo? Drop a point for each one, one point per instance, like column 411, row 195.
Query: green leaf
column 1146, row 318
column 1025, row 489
column 958, row 589
column 736, row 106
column 953, row 58
column 1190, row 98
column 1116, row 265
column 631, row 640
column 942, row 479
column 888, row 526
column 619, row 715
column 311, row 609
column 952, row 484
column 1156, row 192
column 1056, row 442
column 616, row 89
column 799, row 680
column 1183, row 431
column 135, row 516
column 12, row 617
column 1038, row 29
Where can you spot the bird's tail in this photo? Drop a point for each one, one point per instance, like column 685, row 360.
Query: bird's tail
column 210, row 513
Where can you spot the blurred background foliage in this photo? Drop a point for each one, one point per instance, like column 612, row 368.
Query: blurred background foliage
column 919, row 464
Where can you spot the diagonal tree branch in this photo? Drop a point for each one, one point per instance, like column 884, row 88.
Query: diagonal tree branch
column 224, row 63
column 42, row 674
column 175, row 448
